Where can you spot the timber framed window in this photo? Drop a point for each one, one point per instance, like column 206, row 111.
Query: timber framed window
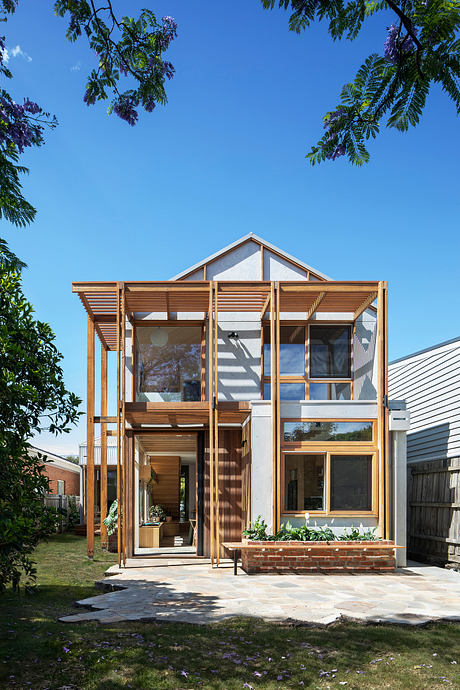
column 328, row 430
column 168, row 363
column 329, row 483
column 316, row 361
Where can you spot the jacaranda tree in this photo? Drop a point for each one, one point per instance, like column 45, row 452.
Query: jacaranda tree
column 125, row 48
column 33, row 397
column 421, row 48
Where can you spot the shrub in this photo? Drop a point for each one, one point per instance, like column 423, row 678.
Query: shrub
column 257, row 531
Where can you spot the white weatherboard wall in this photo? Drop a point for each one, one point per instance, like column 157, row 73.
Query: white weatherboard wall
column 429, row 382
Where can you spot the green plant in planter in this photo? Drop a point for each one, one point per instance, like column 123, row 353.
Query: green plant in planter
column 257, row 531
column 157, row 513
column 111, row 521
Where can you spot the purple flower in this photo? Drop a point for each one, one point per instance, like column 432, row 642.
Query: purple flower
column 168, row 32
column 149, row 105
column 332, row 137
column 89, row 97
column 395, row 45
column 125, row 109
column 167, row 69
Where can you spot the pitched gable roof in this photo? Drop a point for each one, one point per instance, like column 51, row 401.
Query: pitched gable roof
column 251, row 237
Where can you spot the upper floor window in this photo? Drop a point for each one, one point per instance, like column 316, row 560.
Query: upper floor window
column 168, row 363
column 292, row 351
column 330, row 352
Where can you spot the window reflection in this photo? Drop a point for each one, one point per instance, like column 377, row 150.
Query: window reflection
column 292, row 351
column 330, row 391
column 288, row 391
column 168, row 363
column 330, row 351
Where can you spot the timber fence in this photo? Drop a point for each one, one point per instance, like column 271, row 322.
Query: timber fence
column 64, row 505
column 433, row 511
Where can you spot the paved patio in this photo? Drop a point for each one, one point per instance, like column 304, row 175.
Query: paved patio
column 190, row 591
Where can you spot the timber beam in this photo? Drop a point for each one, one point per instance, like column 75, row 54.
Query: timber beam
column 367, row 303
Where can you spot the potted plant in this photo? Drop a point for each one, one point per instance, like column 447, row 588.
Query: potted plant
column 157, row 513
column 111, row 522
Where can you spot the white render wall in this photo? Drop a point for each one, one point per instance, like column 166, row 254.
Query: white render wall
column 365, row 356
column 239, row 360
column 262, row 462
column 262, row 468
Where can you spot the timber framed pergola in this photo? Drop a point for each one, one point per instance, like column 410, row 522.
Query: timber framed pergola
column 109, row 305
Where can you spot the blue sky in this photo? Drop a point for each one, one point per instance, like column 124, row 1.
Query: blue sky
column 223, row 158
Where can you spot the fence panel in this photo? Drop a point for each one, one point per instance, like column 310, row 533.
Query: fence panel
column 433, row 511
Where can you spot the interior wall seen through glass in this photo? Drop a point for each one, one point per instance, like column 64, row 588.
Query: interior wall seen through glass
column 330, row 351
column 304, row 482
column 168, row 363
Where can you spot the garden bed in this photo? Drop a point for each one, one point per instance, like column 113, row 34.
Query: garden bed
column 304, row 557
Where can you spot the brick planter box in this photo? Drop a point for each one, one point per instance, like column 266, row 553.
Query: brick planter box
column 302, row 558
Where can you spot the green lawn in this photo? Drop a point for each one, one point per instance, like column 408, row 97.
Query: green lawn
column 38, row 652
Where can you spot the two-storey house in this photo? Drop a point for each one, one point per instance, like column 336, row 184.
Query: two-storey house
column 249, row 384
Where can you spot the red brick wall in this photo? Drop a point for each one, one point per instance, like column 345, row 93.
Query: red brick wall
column 71, row 480
column 310, row 557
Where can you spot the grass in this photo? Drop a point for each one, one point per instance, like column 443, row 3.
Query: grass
column 36, row 651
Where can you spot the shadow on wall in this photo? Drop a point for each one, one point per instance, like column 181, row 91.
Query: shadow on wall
column 363, row 355
column 239, row 364
column 430, row 443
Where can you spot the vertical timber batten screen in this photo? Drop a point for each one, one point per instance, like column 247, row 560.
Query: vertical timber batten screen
column 90, row 440
column 103, row 446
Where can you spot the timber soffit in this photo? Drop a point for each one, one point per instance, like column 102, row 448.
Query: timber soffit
column 100, row 299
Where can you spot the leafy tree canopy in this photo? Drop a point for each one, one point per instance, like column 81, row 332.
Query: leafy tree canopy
column 124, row 46
column 33, row 398
column 421, row 48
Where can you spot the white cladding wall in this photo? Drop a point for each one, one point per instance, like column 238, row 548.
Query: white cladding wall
column 364, row 356
column 429, row 382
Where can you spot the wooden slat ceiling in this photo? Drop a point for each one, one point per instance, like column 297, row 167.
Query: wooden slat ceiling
column 165, row 443
column 100, row 299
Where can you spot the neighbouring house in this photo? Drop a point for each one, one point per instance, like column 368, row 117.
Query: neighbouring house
column 249, row 384
column 429, row 382
column 63, row 475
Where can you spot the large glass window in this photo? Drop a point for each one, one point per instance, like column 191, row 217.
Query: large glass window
column 330, row 351
column 168, row 363
column 330, row 391
column 327, row 431
column 288, row 391
column 292, row 351
column 304, row 482
column 351, row 482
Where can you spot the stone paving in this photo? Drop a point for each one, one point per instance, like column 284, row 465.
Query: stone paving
column 191, row 591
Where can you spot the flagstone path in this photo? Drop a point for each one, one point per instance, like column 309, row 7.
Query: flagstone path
column 190, row 591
